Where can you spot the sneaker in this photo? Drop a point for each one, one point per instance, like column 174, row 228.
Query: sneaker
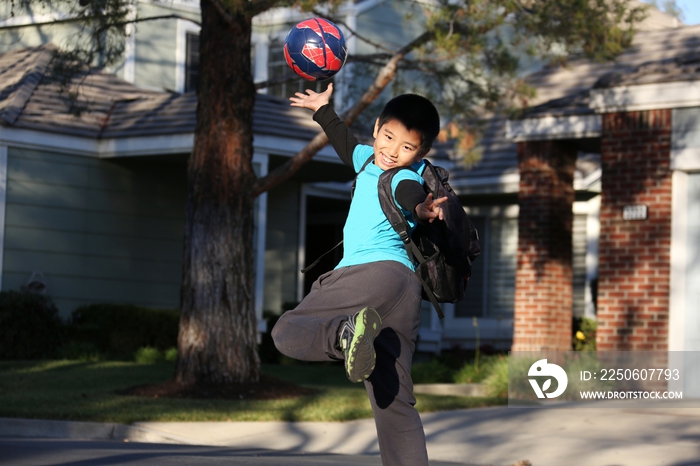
column 357, row 343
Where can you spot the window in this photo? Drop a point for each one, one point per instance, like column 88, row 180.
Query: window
column 277, row 68
column 473, row 302
column 491, row 289
column 192, row 62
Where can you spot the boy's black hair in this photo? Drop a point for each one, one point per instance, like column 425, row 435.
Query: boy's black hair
column 415, row 112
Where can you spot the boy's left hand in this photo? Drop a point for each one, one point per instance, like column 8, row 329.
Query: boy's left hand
column 312, row 100
column 430, row 209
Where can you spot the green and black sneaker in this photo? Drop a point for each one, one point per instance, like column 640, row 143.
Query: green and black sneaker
column 357, row 342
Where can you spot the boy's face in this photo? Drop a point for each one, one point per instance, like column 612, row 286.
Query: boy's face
column 396, row 146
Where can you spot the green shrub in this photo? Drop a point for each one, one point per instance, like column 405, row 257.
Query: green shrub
column 434, row 371
column 80, row 351
column 584, row 334
column 119, row 330
column 29, row 326
column 469, row 373
column 148, row 355
column 497, row 381
column 267, row 350
column 171, row 354
column 473, row 373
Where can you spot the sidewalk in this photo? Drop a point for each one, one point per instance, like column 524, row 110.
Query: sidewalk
column 491, row 436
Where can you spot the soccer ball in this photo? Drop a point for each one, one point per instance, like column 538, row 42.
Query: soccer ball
column 315, row 49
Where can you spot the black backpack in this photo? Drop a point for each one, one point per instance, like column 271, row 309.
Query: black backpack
column 444, row 249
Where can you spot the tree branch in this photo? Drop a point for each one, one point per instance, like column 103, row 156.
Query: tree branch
column 351, row 30
column 384, row 77
column 89, row 18
column 222, row 11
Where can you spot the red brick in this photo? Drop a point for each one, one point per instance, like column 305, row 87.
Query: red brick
column 634, row 262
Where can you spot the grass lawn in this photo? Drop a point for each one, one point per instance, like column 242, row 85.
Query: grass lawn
column 85, row 391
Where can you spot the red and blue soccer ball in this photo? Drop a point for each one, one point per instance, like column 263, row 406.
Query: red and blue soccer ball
column 315, row 49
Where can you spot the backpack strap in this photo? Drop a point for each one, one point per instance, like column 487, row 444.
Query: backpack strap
column 354, row 183
column 389, row 207
column 429, row 293
column 402, row 228
column 352, row 193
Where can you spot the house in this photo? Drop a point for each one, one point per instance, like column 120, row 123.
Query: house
column 93, row 234
column 641, row 116
column 109, row 246
column 95, row 201
column 491, row 191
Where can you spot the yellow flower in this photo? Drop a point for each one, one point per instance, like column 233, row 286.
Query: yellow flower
column 580, row 335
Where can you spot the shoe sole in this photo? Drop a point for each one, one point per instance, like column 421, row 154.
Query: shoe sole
column 361, row 355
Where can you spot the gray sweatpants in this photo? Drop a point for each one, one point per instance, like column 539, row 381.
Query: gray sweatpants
column 310, row 333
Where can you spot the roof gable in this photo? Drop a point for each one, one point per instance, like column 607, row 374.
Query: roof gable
column 108, row 107
column 21, row 72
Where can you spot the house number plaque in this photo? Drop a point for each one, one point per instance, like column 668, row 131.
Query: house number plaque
column 634, row 212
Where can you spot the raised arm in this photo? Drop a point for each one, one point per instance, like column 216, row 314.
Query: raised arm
column 312, row 100
column 340, row 137
column 411, row 197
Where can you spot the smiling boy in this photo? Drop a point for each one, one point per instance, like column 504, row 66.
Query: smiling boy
column 367, row 310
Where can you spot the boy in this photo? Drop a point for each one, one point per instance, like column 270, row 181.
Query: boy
column 366, row 310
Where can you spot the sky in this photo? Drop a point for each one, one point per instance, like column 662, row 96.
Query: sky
column 691, row 11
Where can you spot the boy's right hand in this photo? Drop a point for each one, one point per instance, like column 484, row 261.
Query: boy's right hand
column 312, row 100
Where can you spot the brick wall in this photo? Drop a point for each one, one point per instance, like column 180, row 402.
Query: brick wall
column 634, row 262
column 543, row 281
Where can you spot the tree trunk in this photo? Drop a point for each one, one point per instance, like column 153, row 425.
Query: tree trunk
column 218, row 328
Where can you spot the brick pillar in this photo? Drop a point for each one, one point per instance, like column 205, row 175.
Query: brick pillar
column 634, row 263
column 543, row 280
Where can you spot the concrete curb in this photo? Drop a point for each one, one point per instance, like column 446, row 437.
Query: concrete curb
column 454, row 389
column 43, row 428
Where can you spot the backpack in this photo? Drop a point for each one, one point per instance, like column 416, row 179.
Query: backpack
column 443, row 249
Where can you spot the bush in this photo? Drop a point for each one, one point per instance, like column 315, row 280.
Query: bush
column 171, row 355
column 267, row 350
column 434, row 371
column 473, row 373
column 584, row 334
column 497, row 382
column 80, row 351
column 120, row 330
column 469, row 373
column 148, row 355
column 29, row 326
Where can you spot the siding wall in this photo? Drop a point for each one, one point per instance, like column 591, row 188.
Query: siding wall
column 578, row 264
column 392, row 24
column 155, row 41
column 282, row 245
column 155, row 48
column 99, row 231
column 501, row 269
column 692, row 278
column 34, row 36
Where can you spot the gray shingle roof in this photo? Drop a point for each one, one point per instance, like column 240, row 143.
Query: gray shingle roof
column 674, row 69
column 21, row 72
column 30, row 98
column 649, row 50
column 660, row 55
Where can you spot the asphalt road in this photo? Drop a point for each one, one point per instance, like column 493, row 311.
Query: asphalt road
column 57, row 452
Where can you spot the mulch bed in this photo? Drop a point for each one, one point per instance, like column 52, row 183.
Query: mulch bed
column 269, row 388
